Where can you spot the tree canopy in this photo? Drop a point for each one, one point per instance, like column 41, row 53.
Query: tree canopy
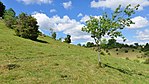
column 27, row 27
column 109, row 25
column 2, row 9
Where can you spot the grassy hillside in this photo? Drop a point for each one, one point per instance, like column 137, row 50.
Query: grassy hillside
column 47, row 61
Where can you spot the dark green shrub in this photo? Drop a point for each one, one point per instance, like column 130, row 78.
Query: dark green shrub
column 102, row 53
column 2, row 9
column 54, row 35
column 27, row 27
column 146, row 61
column 127, row 58
column 133, row 50
column 126, row 51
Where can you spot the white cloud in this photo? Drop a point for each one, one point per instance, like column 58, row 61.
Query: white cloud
column 67, row 5
column 62, row 24
column 36, row 1
column 114, row 3
column 52, row 10
column 140, row 22
column 143, row 35
column 85, row 18
column 80, row 15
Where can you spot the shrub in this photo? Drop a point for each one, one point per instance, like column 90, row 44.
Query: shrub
column 146, row 61
column 133, row 50
column 27, row 27
column 126, row 51
column 127, row 58
column 116, row 49
column 102, row 53
column 107, row 51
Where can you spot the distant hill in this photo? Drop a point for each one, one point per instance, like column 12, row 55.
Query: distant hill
column 47, row 61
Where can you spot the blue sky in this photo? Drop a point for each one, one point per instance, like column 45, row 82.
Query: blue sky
column 68, row 16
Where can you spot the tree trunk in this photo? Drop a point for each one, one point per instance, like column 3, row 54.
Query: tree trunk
column 99, row 60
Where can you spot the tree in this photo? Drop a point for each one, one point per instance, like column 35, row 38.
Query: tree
column 54, row 35
column 111, row 26
column 112, row 43
column 2, row 9
column 90, row 44
column 27, row 27
column 9, row 17
column 78, row 44
column 68, row 39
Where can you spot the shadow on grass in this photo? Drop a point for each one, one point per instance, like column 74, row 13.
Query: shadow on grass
column 41, row 41
column 125, row 71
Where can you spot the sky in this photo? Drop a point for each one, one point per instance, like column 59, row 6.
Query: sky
column 69, row 16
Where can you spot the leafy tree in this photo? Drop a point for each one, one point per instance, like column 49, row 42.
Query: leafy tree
column 2, row 9
column 90, row 44
column 27, row 27
column 54, row 35
column 146, row 47
column 68, row 39
column 9, row 17
column 111, row 26
column 112, row 43
column 78, row 44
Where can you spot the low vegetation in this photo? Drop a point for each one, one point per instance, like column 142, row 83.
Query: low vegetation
column 50, row 61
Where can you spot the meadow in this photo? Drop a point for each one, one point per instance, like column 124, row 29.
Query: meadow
column 47, row 61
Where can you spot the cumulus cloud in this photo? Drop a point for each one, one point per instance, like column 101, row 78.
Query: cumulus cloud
column 112, row 4
column 36, row 1
column 139, row 22
column 52, row 10
column 85, row 18
column 143, row 35
column 62, row 24
column 67, row 5
column 80, row 15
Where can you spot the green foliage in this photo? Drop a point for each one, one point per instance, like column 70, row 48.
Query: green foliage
column 90, row 44
column 2, row 9
column 54, row 35
column 27, row 27
column 111, row 26
column 68, row 39
column 99, row 27
column 146, row 61
column 126, row 51
column 78, row 44
column 9, row 17
column 146, row 47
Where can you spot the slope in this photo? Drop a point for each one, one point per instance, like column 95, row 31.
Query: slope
column 47, row 61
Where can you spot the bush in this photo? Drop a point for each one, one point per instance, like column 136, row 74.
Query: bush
column 133, row 50
column 107, row 51
column 116, row 49
column 146, row 61
column 102, row 53
column 126, row 51
column 27, row 27
column 127, row 58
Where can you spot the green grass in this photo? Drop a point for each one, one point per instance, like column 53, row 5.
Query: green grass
column 24, row 61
